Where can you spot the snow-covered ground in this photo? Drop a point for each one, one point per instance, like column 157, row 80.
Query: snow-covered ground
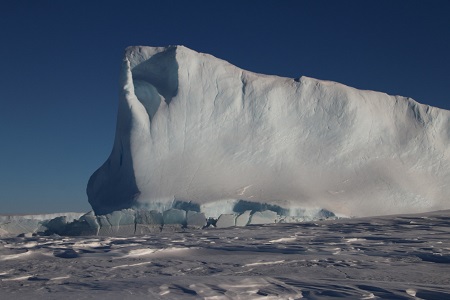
column 391, row 257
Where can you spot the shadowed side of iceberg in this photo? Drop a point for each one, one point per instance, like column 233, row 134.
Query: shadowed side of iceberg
column 113, row 186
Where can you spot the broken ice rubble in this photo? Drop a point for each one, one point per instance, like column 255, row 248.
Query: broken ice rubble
column 130, row 222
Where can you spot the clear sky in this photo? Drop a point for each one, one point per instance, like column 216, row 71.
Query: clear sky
column 60, row 65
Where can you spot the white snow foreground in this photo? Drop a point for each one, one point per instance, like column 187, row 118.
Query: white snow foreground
column 195, row 133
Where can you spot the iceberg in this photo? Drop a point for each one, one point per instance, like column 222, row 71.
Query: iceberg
column 226, row 220
column 196, row 133
column 13, row 225
column 195, row 219
column 264, row 217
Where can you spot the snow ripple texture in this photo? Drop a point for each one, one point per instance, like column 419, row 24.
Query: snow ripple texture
column 396, row 257
column 195, row 128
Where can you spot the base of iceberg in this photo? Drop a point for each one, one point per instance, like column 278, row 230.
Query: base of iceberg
column 182, row 215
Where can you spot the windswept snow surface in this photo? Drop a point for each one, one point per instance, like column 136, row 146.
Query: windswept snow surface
column 395, row 257
column 195, row 129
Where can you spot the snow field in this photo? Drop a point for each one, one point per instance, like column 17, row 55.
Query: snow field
column 399, row 257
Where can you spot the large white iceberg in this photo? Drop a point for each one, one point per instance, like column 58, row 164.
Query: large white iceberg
column 197, row 133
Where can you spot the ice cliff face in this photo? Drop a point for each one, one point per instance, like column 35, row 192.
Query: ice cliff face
column 197, row 131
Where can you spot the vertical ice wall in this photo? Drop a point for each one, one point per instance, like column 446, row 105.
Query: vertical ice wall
column 195, row 129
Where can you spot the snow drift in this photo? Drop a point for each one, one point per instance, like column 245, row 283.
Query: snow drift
column 197, row 133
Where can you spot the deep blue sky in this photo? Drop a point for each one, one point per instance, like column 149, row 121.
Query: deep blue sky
column 60, row 64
